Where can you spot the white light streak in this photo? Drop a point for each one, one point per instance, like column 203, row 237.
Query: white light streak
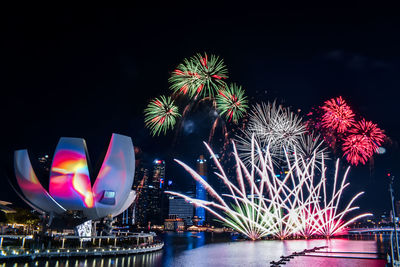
column 273, row 126
column 296, row 204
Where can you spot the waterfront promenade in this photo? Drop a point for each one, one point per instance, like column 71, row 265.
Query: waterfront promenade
column 22, row 247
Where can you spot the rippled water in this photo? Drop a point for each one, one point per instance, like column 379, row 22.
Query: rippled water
column 261, row 253
column 205, row 249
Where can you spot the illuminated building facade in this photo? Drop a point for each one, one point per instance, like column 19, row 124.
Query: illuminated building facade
column 158, row 174
column 181, row 208
column 174, row 223
column 141, row 207
column 70, row 188
column 150, row 205
column 136, row 213
column 201, row 192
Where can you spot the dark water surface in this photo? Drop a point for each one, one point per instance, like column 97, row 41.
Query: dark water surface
column 206, row 249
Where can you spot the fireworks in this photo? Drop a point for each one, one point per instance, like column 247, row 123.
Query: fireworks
column 362, row 142
column 273, row 126
column 199, row 75
column 244, row 145
column 297, row 204
column 309, row 146
column 335, row 121
column 338, row 115
column 369, row 131
column 202, row 79
column 232, row 102
column 185, row 79
column 356, row 149
column 160, row 115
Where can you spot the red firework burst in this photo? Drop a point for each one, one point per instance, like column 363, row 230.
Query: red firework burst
column 357, row 149
column 370, row 131
column 337, row 115
column 363, row 140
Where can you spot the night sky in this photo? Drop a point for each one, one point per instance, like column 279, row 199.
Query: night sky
column 89, row 73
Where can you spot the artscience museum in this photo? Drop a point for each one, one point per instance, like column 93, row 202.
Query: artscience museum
column 73, row 192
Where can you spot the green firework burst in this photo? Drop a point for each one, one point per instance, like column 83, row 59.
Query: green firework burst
column 232, row 102
column 199, row 75
column 252, row 221
column 160, row 115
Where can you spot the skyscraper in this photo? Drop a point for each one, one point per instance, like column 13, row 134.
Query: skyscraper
column 140, row 185
column 201, row 192
column 181, row 208
column 136, row 213
column 156, row 189
column 158, row 173
column 150, row 205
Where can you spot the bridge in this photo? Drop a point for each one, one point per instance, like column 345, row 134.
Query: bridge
column 387, row 229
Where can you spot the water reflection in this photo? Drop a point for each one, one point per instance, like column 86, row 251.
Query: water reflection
column 207, row 249
column 247, row 253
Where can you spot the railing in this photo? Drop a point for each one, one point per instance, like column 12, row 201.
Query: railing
column 71, row 246
column 30, row 254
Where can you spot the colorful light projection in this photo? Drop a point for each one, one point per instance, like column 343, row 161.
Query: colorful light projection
column 70, row 187
column 69, row 177
column 117, row 163
column 30, row 185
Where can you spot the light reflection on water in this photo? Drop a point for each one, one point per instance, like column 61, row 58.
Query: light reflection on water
column 260, row 253
column 205, row 249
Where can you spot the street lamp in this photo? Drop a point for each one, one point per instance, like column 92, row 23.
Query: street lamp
column 394, row 219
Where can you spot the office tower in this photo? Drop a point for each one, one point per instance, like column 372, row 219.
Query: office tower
column 201, row 192
column 181, row 208
column 149, row 205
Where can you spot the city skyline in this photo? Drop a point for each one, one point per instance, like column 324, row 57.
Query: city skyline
column 242, row 134
column 109, row 88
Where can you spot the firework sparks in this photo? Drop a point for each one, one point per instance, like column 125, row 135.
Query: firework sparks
column 357, row 149
column 160, row 115
column 338, row 115
column 370, row 131
column 199, row 75
column 362, row 142
column 232, row 102
column 314, row 124
column 309, row 146
column 358, row 140
column 185, row 79
column 293, row 205
column 273, row 126
column 244, row 145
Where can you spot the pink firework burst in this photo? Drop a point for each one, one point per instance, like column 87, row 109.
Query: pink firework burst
column 363, row 140
column 370, row 131
column 337, row 115
column 357, row 149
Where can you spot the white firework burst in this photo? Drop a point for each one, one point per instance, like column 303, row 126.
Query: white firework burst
column 244, row 145
column 297, row 204
column 311, row 145
column 274, row 126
